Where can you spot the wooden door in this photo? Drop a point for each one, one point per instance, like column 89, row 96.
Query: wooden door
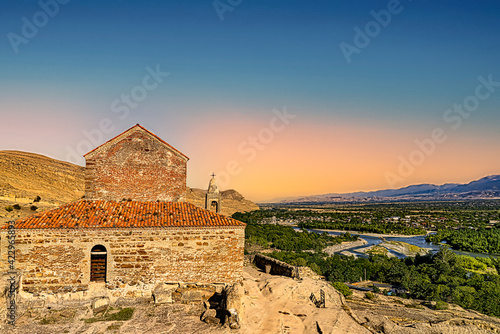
column 98, row 264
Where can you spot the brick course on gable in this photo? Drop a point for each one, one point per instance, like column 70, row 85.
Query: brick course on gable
column 136, row 165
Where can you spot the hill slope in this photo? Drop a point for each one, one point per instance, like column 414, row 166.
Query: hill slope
column 28, row 175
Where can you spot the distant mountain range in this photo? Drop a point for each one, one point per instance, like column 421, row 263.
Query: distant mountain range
column 485, row 188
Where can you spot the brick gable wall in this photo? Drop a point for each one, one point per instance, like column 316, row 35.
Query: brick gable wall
column 137, row 167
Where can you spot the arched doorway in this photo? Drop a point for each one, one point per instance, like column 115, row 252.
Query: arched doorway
column 98, row 263
column 214, row 206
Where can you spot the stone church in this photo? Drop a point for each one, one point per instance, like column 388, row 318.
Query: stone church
column 132, row 228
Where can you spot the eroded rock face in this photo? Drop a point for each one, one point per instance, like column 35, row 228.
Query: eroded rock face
column 210, row 317
column 100, row 305
column 233, row 305
column 273, row 303
column 208, row 313
column 395, row 315
column 234, row 296
column 162, row 294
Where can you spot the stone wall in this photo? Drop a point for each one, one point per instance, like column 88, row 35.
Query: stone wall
column 304, row 272
column 59, row 260
column 277, row 267
column 138, row 167
column 284, row 269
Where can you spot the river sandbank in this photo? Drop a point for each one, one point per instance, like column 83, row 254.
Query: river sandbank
column 405, row 248
column 330, row 250
column 375, row 250
column 400, row 247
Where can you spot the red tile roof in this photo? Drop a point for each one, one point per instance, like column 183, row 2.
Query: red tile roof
column 146, row 130
column 125, row 214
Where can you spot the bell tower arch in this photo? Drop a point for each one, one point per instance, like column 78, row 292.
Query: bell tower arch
column 213, row 198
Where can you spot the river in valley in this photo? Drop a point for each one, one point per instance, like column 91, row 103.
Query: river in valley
column 415, row 240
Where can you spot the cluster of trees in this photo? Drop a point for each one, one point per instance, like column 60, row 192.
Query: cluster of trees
column 441, row 214
column 443, row 276
column 287, row 239
column 258, row 215
column 374, row 217
column 355, row 221
column 435, row 206
column 469, row 240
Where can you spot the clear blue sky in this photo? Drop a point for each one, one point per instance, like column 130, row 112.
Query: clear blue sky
column 63, row 79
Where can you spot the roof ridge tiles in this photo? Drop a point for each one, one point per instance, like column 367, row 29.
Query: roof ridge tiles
column 86, row 213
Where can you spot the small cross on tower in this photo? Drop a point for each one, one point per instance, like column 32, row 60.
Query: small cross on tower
column 213, row 196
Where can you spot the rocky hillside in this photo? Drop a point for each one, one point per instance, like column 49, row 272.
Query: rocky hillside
column 24, row 176
column 386, row 314
column 267, row 304
column 28, row 175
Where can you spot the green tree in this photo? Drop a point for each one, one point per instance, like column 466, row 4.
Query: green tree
column 342, row 288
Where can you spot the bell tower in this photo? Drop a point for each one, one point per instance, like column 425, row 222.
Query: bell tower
column 213, row 197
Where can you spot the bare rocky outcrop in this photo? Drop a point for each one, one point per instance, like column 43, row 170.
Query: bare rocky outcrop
column 264, row 304
column 277, row 304
column 386, row 314
column 209, row 316
column 233, row 305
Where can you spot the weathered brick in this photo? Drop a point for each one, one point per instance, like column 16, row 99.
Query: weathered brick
column 136, row 165
column 58, row 264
